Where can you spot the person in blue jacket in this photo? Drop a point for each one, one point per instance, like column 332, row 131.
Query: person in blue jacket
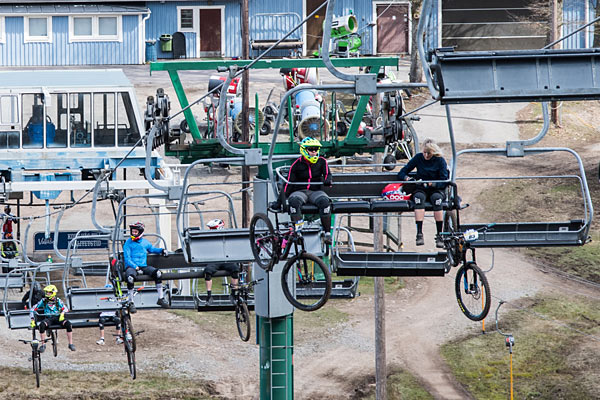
column 430, row 166
column 135, row 255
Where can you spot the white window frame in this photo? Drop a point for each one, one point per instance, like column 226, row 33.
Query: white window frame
column 96, row 37
column 2, row 30
column 194, row 27
column 30, row 39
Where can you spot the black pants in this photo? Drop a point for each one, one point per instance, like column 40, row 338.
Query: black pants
column 232, row 268
column 131, row 273
column 434, row 195
column 42, row 326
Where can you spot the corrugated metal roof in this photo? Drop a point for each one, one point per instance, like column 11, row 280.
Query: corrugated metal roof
column 58, row 9
column 63, row 79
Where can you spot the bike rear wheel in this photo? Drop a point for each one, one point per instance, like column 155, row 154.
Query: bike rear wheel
column 262, row 241
column 242, row 320
column 472, row 292
column 37, row 367
column 54, row 343
column 308, row 285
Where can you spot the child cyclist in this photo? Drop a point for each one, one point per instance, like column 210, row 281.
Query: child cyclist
column 53, row 310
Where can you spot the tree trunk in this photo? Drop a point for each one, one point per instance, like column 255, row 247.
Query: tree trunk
column 416, row 71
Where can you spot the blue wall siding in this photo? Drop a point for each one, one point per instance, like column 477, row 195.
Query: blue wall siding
column 60, row 52
column 573, row 18
column 164, row 20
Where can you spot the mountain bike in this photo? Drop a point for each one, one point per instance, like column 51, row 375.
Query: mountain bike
column 36, row 358
column 471, row 286
column 242, row 315
column 270, row 245
column 128, row 334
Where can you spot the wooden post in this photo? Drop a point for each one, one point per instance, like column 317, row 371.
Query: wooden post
column 380, row 359
column 553, row 37
column 244, row 114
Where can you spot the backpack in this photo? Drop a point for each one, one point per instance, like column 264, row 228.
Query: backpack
column 394, row 191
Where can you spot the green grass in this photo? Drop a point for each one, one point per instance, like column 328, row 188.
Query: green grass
column 366, row 285
column 550, row 361
column 400, row 385
column 19, row 383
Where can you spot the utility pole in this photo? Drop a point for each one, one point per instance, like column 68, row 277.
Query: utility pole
column 380, row 359
column 244, row 114
column 553, row 37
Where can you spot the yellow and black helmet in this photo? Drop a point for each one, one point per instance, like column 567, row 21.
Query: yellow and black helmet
column 50, row 292
column 308, row 146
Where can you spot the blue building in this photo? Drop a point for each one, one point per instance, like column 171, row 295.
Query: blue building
column 105, row 32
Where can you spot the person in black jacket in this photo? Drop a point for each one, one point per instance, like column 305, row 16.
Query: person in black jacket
column 430, row 166
column 312, row 173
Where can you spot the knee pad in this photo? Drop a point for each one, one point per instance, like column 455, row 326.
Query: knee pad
column 235, row 275
column 324, row 204
column 42, row 326
column 207, row 276
column 419, row 200
column 130, row 279
column 67, row 325
column 157, row 274
column 436, row 201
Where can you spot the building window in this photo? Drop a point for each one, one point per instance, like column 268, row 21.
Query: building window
column 2, row 40
column 95, row 28
column 38, row 29
column 185, row 20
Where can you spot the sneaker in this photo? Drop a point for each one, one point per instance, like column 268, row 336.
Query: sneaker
column 163, row 303
column 42, row 348
column 327, row 238
column 439, row 243
column 100, row 341
column 420, row 241
column 132, row 308
column 72, row 347
column 209, row 301
column 119, row 340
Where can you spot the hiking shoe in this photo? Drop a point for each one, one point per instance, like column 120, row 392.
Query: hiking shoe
column 72, row 347
column 119, row 340
column 132, row 308
column 163, row 303
column 327, row 238
column 420, row 241
column 439, row 242
column 42, row 348
column 100, row 341
column 209, row 301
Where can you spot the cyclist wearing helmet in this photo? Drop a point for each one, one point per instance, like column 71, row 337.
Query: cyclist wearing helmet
column 7, row 220
column 431, row 166
column 233, row 269
column 135, row 255
column 311, row 172
column 54, row 311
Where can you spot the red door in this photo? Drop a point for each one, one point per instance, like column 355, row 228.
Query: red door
column 210, row 32
column 392, row 28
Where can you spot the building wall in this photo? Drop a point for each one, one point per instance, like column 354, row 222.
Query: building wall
column 492, row 25
column 163, row 20
column 15, row 52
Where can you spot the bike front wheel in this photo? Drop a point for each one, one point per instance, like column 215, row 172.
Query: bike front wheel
column 262, row 241
column 306, row 282
column 129, row 333
column 472, row 292
column 242, row 320
column 37, row 367
column 54, row 343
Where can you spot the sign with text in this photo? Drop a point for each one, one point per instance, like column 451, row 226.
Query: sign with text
column 41, row 243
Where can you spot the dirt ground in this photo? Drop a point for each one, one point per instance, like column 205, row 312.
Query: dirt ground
column 330, row 362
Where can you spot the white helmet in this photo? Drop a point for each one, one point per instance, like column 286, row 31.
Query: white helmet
column 216, row 224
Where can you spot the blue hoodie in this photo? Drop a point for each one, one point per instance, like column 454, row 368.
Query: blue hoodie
column 135, row 252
